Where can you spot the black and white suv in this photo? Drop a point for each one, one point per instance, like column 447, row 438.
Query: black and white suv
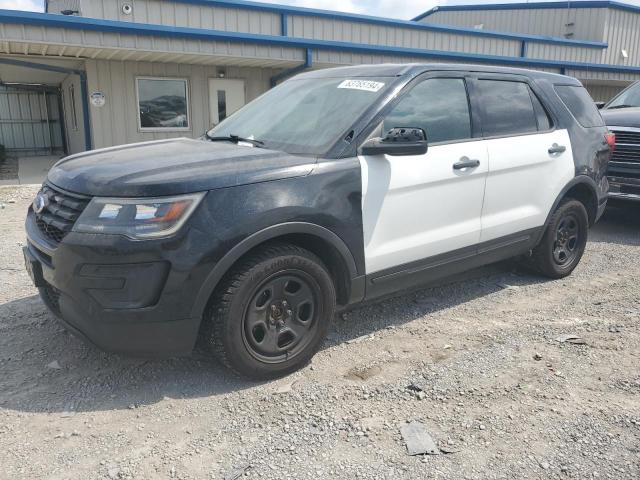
column 337, row 186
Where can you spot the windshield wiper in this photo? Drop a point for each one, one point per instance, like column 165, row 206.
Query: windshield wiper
column 624, row 105
column 235, row 139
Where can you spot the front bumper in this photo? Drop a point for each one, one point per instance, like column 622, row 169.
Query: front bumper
column 124, row 296
column 621, row 188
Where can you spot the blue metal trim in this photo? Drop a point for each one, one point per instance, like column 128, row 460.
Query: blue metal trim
column 280, row 9
column 523, row 49
column 530, row 6
column 83, row 88
column 308, row 63
column 92, row 24
column 284, row 24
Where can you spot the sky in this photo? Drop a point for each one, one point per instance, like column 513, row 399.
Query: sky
column 403, row 9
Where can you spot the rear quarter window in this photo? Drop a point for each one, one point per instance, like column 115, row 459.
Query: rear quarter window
column 581, row 105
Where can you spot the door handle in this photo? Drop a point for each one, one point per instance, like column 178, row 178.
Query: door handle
column 555, row 148
column 466, row 162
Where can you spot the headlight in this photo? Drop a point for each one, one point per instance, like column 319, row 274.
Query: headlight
column 137, row 218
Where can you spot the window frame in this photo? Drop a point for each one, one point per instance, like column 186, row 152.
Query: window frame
column 188, row 128
column 533, row 90
column 378, row 122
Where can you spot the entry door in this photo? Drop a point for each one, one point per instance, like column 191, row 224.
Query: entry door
column 417, row 207
column 529, row 161
column 226, row 96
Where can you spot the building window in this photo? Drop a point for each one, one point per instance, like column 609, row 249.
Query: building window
column 163, row 104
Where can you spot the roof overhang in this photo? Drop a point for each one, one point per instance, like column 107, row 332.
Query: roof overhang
column 81, row 37
column 530, row 6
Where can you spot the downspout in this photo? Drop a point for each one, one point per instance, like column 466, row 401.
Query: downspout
column 308, row 63
column 84, row 91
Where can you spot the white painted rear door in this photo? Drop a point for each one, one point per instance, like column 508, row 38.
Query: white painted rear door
column 525, row 178
column 226, row 96
column 524, row 181
column 416, row 207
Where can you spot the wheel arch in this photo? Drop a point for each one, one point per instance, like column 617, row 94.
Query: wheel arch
column 315, row 238
column 583, row 189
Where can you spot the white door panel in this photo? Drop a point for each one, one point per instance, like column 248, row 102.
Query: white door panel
column 523, row 182
column 415, row 207
column 226, row 96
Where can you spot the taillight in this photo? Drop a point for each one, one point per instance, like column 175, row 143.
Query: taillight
column 610, row 138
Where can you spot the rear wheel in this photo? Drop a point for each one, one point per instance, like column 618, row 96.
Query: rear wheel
column 272, row 312
column 564, row 241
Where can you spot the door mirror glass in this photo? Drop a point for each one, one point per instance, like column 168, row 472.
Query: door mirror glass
column 398, row 141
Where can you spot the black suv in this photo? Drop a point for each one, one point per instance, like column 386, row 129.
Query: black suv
column 622, row 115
column 335, row 187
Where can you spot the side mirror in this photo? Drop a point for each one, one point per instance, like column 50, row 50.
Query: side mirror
column 398, row 141
column 600, row 105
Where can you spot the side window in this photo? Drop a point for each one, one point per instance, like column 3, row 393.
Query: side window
column 437, row 105
column 581, row 105
column 507, row 108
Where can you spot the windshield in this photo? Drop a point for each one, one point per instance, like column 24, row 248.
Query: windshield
column 305, row 116
column 628, row 98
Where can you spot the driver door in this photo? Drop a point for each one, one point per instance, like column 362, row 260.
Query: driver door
column 424, row 209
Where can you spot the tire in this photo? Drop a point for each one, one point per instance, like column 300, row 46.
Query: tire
column 271, row 313
column 564, row 240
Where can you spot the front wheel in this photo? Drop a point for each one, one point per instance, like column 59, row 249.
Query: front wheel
column 564, row 240
column 272, row 312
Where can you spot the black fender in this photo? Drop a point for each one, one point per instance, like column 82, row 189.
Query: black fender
column 578, row 180
column 270, row 233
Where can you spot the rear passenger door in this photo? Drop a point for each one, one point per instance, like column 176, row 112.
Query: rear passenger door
column 530, row 160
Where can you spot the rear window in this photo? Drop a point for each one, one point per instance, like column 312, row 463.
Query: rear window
column 510, row 108
column 581, row 105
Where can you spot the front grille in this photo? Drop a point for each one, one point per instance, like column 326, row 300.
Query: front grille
column 60, row 212
column 627, row 149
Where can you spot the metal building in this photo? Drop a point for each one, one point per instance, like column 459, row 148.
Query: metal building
column 613, row 23
column 122, row 71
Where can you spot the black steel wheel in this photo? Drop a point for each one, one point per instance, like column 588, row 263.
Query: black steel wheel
column 271, row 313
column 564, row 240
column 281, row 319
column 565, row 247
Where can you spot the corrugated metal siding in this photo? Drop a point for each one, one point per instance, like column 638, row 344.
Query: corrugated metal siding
column 588, row 23
column 547, row 51
column 622, row 31
column 603, row 93
column 29, row 121
column 354, row 32
column 603, row 76
column 163, row 12
column 117, row 121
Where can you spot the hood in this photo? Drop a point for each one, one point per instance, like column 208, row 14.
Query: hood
column 622, row 117
column 171, row 167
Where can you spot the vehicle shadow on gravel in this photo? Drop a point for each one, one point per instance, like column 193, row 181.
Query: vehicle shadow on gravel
column 620, row 224
column 43, row 368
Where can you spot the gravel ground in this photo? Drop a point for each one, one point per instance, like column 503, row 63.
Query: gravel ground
column 476, row 361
